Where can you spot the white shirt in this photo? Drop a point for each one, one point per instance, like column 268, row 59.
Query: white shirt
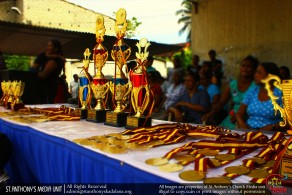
column 74, row 86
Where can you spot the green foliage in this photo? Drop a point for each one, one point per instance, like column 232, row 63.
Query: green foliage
column 185, row 18
column 185, row 57
column 16, row 62
column 133, row 24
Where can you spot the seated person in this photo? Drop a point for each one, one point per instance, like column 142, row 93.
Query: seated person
column 193, row 103
column 284, row 73
column 156, row 90
column 5, row 152
column 256, row 110
column 212, row 89
column 234, row 92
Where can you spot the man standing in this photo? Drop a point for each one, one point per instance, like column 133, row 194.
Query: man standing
column 74, row 87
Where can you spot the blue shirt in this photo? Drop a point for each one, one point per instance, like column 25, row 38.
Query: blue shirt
column 173, row 94
column 212, row 90
column 201, row 97
column 261, row 113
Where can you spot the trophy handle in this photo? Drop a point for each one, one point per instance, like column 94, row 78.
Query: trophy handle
column 127, row 54
column 129, row 84
column 88, row 97
column 276, row 106
column 106, row 85
column 105, row 59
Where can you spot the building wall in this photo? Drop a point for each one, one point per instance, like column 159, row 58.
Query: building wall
column 54, row 14
column 236, row 28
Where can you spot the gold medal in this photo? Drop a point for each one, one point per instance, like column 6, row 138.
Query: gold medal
column 87, row 142
column 113, row 149
column 240, row 170
column 192, row 175
column 258, row 173
column 185, row 157
column 217, row 180
column 116, row 135
column 215, row 162
column 258, row 160
column 171, row 167
column 269, row 163
column 226, row 157
column 157, row 161
column 208, row 152
column 135, row 146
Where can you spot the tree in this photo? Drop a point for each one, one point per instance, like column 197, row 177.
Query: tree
column 186, row 18
column 132, row 27
column 16, row 62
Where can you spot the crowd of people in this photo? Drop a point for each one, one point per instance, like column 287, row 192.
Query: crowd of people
column 192, row 94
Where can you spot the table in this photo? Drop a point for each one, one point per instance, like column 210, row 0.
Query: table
column 44, row 153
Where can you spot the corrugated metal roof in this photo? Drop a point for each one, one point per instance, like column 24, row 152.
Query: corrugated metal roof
column 22, row 39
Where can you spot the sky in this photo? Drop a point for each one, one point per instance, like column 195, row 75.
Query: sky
column 159, row 21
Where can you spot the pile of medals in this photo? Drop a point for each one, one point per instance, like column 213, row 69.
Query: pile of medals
column 206, row 154
column 32, row 115
column 144, row 138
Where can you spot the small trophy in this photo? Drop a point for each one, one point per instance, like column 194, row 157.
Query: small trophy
column 286, row 113
column 10, row 90
column 84, row 92
column 119, row 86
column 99, row 84
column 140, row 96
column 18, row 91
column 4, row 98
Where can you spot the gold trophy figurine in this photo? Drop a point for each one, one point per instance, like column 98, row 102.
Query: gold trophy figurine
column 286, row 113
column 19, row 89
column 84, row 93
column 119, row 86
column 5, row 93
column 11, row 88
column 99, row 84
column 141, row 92
column 286, row 87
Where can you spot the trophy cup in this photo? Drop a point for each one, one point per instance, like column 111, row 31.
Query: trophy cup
column 140, row 96
column 18, row 91
column 84, row 93
column 10, row 90
column 5, row 93
column 119, row 86
column 286, row 113
column 99, row 84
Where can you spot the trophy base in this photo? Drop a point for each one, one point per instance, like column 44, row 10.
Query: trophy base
column 16, row 107
column 7, row 106
column 82, row 113
column 134, row 122
column 116, row 119
column 97, row 116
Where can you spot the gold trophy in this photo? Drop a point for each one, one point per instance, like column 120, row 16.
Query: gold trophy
column 4, row 98
column 99, row 84
column 18, row 91
column 141, row 92
column 119, row 86
column 286, row 87
column 286, row 113
column 11, row 85
column 84, row 92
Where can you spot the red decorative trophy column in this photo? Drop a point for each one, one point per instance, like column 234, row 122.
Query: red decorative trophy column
column 141, row 92
column 99, row 84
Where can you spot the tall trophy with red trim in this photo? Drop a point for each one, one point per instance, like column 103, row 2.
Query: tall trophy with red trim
column 84, row 92
column 141, row 92
column 285, row 156
column 99, row 84
column 119, row 86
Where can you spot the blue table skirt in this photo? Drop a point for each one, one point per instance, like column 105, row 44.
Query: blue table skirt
column 41, row 158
